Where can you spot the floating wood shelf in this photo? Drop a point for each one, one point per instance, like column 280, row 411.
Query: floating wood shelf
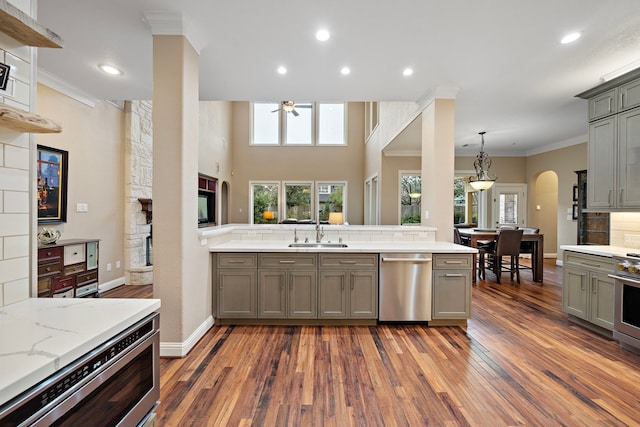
column 20, row 26
column 24, row 121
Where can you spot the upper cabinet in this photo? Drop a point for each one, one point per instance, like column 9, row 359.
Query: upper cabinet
column 614, row 144
column 26, row 30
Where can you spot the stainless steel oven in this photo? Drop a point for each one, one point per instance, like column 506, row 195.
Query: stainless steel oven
column 626, row 323
column 116, row 384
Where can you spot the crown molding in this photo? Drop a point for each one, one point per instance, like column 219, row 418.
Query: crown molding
column 64, row 87
column 164, row 23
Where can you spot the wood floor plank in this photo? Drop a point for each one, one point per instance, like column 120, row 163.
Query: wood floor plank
column 518, row 362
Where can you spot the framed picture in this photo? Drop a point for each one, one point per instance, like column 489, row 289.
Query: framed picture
column 51, row 169
column 575, row 193
column 574, row 216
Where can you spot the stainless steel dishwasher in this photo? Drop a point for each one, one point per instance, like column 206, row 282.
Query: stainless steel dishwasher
column 405, row 287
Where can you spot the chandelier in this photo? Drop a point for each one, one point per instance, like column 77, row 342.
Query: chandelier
column 482, row 180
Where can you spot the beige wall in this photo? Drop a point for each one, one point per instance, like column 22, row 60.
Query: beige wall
column 215, row 150
column 563, row 162
column 94, row 138
column 280, row 163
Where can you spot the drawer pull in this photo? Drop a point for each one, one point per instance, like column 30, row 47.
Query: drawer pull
column 48, row 269
column 236, row 261
column 347, row 261
column 286, row 261
column 49, row 253
column 453, row 262
column 453, row 275
column 588, row 264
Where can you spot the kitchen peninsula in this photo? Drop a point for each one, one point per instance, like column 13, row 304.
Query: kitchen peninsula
column 262, row 274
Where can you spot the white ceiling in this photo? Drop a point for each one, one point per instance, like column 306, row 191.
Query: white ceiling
column 513, row 77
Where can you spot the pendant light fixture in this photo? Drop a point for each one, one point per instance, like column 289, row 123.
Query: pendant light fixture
column 482, row 180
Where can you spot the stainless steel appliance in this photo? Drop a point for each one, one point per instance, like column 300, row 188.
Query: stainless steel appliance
column 116, row 384
column 405, row 287
column 626, row 323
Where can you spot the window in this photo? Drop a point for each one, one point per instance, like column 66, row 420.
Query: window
column 265, row 202
column 330, row 124
column 332, row 200
column 266, row 123
column 465, row 202
column 316, row 124
column 410, row 197
column 297, row 200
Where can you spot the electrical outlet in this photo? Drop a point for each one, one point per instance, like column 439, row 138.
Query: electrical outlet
column 117, row 264
column 109, row 267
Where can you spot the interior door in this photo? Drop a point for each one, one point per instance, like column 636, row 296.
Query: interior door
column 509, row 205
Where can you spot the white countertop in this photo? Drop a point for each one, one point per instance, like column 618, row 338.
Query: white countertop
column 38, row 336
column 602, row 250
column 352, row 247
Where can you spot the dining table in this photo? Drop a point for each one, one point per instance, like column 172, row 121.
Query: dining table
column 474, row 235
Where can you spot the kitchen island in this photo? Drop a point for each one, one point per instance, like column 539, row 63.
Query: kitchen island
column 40, row 336
column 263, row 275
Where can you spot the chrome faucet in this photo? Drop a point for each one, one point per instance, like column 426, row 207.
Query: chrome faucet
column 319, row 231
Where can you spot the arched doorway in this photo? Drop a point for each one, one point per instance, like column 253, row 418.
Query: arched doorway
column 224, row 203
column 543, row 209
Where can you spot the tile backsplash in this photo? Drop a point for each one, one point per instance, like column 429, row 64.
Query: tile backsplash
column 624, row 229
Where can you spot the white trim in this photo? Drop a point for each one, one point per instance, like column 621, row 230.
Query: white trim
column 344, row 197
column 438, row 92
column 111, row 284
column 558, row 145
column 64, row 87
column 251, row 184
column 402, row 153
column 311, row 185
column 181, row 349
column 165, row 23
column 559, row 262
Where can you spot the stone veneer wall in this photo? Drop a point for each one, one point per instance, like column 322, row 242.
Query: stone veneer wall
column 138, row 165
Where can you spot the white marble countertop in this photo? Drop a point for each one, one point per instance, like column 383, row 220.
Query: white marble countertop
column 38, row 336
column 352, row 247
column 602, row 250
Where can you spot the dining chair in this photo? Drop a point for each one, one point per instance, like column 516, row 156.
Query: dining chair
column 527, row 247
column 507, row 245
column 459, row 239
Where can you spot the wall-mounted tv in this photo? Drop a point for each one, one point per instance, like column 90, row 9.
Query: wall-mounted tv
column 206, row 208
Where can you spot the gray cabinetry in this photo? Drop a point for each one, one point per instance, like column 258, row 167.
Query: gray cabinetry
column 603, row 105
column 237, row 285
column 587, row 291
column 287, row 286
column 451, row 287
column 348, row 286
column 614, row 140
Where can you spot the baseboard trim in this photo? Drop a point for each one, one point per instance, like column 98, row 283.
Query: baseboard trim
column 111, row 284
column 181, row 349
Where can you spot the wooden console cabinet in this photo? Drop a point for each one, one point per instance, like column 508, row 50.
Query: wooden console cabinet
column 68, row 269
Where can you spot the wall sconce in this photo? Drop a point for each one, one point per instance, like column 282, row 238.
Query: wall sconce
column 335, row 218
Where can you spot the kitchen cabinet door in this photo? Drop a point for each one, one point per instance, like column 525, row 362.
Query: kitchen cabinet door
column 629, row 159
column 602, row 300
column 237, row 293
column 332, row 295
column 629, row 95
column 603, row 105
column 601, row 186
column 272, row 293
column 302, row 295
column 451, row 294
column 363, row 295
column 574, row 291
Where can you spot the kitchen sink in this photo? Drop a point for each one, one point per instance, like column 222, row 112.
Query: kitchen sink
column 317, row 245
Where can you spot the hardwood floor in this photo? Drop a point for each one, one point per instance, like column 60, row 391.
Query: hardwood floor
column 519, row 362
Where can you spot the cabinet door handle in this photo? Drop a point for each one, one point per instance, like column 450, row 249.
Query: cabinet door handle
column 284, row 261
column 609, row 197
column 48, row 253
column 594, row 287
column 589, row 264
column 609, row 104
column 622, row 100
column 347, row 261
column 620, row 201
column 453, row 275
column 236, row 261
column 453, row 262
column 48, row 268
column 352, row 279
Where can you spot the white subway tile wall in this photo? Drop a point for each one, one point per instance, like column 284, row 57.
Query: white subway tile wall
column 624, row 229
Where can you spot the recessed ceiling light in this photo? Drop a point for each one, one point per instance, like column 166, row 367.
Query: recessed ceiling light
column 282, row 70
column 110, row 69
column 570, row 38
column 407, row 71
column 323, row 35
column 345, row 70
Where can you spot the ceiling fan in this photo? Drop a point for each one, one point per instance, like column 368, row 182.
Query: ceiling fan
column 290, row 107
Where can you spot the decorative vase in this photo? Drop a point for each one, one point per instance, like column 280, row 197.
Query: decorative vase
column 47, row 236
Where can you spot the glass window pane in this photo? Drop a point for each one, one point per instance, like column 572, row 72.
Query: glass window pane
column 265, row 203
column 465, row 203
column 332, row 200
column 410, row 198
column 265, row 123
column 299, row 129
column 297, row 198
column 331, row 124
column 508, row 208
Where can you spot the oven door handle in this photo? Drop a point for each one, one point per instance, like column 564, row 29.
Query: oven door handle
column 625, row 279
